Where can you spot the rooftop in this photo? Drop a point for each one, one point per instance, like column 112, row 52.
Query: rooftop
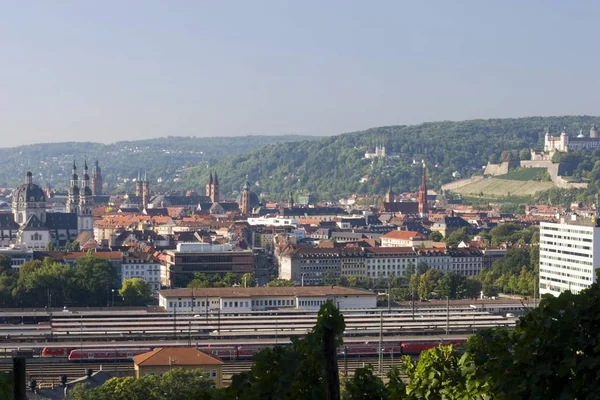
column 307, row 291
column 175, row 356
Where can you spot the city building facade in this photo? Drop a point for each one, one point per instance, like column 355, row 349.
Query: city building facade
column 569, row 254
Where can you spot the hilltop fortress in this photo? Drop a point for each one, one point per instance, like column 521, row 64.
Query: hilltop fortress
column 564, row 143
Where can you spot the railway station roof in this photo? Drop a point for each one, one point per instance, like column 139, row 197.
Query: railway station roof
column 298, row 291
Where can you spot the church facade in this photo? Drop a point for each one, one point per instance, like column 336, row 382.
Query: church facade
column 31, row 226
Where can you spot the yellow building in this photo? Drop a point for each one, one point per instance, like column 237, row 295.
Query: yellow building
column 161, row 360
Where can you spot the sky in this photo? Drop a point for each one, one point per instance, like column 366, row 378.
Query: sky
column 111, row 70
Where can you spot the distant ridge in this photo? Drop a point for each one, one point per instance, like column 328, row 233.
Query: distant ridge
column 160, row 157
column 336, row 166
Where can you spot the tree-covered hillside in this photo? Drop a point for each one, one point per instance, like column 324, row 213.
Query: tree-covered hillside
column 335, row 166
column 160, row 158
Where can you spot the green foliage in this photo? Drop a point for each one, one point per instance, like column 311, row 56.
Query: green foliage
column 553, row 352
column 441, row 373
column 458, row 236
column 364, row 385
column 135, row 292
column 201, row 280
column 177, row 384
column 88, row 283
column 453, row 146
column 92, row 280
column 160, row 158
column 295, row 371
column 515, row 273
column 280, row 282
column 436, row 236
column 512, row 234
column 526, row 174
column 72, row 246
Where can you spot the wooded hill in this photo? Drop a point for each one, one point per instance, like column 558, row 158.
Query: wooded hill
column 332, row 167
column 159, row 158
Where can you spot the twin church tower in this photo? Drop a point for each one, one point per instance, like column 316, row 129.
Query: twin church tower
column 81, row 195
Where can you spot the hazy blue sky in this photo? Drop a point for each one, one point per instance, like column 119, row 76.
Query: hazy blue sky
column 121, row 70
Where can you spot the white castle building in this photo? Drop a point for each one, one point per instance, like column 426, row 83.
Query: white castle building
column 564, row 143
column 379, row 152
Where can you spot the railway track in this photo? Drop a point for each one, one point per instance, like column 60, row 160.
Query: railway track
column 48, row 374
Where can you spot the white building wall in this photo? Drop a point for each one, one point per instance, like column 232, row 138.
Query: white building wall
column 569, row 255
column 149, row 272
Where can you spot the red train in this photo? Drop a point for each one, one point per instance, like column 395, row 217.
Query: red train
column 229, row 352
column 56, row 351
column 107, row 354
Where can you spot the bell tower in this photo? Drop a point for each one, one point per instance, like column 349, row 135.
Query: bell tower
column 423, row 208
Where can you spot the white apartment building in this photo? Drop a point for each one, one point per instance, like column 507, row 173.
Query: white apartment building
column 387, row 261
column 569, row 254
column 144, row 266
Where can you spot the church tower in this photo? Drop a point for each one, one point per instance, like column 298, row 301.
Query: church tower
column 138, row 185
column 209, row 186
column 215, row 190
column 593, row 132
column 97, row 180
column 245, row 199
column 85, row 214
column 145, row 192
column 390, row 196
column 73, row 197
column 423, row 208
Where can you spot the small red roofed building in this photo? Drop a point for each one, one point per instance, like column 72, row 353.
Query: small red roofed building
column 162, row 360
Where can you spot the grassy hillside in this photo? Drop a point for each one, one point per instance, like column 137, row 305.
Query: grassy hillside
column 159, row 158
column 494, row 187
column 334, row 166
column 526, row 174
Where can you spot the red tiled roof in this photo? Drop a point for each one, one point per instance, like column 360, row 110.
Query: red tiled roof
column 169, row 356
column 404, row 235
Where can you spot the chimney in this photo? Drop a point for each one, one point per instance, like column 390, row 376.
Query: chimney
column 89, row 372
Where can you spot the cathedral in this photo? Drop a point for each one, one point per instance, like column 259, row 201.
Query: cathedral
column 31, row 226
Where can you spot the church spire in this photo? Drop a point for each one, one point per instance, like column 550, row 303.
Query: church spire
column 423, row 208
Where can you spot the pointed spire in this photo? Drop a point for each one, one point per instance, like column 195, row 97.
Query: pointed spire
column 216, row 178
column 85, row 167
column 210, row 179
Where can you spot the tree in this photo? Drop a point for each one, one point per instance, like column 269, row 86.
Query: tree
column 280, row 282
column 328, row 278
column 72, row 246
column 441, row 373
column 364, row 385
column 303, row 369
column 135, row 292
column 436, row 236
column 551, row 354
column 93, row 278
column 353, row 281
column 176, row 384
column 247, row 280
column 49, row 246
column 525, row 154
column 457, row 236
column 37, row 278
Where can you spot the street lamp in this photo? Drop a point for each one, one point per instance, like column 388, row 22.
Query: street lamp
column 113, row 297
column 302, row 278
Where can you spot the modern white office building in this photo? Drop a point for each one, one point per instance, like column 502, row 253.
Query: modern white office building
column 569, row 254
